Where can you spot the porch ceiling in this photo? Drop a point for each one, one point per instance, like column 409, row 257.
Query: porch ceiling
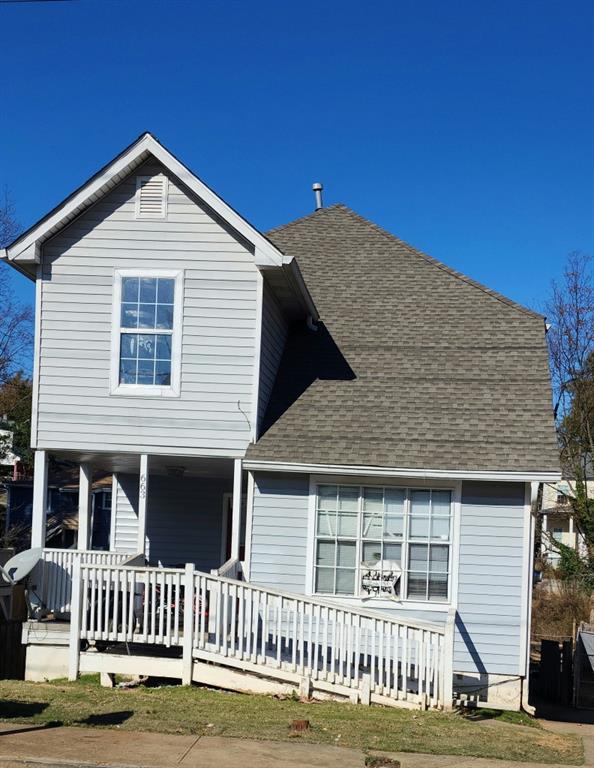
column 175, row 466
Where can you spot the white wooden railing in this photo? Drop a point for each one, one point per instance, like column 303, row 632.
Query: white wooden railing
column 362, row 654
column 231, row 569
column 54, row 574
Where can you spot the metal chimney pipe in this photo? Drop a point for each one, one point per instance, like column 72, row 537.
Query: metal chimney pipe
column 317, row 188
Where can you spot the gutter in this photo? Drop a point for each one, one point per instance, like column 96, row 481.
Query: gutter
column 374, row 471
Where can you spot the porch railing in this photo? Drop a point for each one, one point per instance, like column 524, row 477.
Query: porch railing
column 54, row 574
column 362, row 654
column 231, row 569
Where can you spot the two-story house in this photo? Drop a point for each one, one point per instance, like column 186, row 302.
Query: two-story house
column 325, row 447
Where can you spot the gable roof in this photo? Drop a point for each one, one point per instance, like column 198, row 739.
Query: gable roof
column 414, row 365
column 26, row 246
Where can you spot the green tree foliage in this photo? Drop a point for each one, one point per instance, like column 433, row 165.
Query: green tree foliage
column 15, row 415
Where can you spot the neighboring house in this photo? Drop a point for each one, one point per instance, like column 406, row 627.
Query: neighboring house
column 558, row 520
column 62, row 509
column 8, row 459
column 388, row 418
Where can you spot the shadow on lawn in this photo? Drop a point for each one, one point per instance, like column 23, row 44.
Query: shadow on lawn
column 107, row 718
column 10, row 708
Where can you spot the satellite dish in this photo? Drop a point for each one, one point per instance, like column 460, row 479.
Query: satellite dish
column 21, row 565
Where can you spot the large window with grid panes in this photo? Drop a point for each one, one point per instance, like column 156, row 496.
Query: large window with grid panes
column 146, row 332
column 373, row 541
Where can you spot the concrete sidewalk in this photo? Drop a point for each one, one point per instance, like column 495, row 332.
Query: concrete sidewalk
column 94, row 746
column 26, row 745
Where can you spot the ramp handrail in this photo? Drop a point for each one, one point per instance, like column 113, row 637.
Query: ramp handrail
column 375, row 656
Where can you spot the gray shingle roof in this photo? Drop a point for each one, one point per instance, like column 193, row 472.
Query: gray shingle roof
column 414, row 364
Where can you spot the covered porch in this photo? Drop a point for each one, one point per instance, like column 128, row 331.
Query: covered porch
column 166, row 511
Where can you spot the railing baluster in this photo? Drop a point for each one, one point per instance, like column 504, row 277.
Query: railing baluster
column 233, row 628
column 225, row 623
column 132, row 588
column 264, row 642
column 279, row 630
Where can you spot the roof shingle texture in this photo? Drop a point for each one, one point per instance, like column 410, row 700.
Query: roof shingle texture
column 413, row 366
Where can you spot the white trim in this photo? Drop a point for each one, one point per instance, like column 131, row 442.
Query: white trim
column 265, row 253
column 527, row 566
column 85, row 485
column 311, row 537
column 401, row 602
column 236, row 513
column 39, row 511
column 36, row 355
column 164, row 195
column 257, row 357
column 248, row 526
column 114, row 509
column 456, row 539
column 143, row 491
column 139, row 390
column 532, row 533
column 430, row 474
column 225, row 523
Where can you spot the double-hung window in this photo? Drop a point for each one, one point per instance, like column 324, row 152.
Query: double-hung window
column 376, row 540
column 146, row 335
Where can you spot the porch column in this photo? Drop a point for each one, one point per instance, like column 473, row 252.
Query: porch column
column 143, row 483
column 571, row 529
column 236, row 515
column 85, row 487
column 39, row 514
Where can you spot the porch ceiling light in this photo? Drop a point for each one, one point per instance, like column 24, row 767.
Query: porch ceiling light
column 175, row 471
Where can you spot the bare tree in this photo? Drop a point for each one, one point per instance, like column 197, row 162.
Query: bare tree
column 570, row 309
column 16, row 318
column 9, row 226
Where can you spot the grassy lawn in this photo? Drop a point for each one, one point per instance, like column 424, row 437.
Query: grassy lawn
column 173, row 709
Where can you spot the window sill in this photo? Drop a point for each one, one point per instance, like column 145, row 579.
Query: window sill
column 138, row 390
column 375, row 600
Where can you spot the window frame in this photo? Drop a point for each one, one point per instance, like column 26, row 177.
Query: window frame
column 453, row 487
column 147, row 390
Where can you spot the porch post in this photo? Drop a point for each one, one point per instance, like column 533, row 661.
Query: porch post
column 85, row 487
column 143, row 484
column 39, row 512
column 236, row 516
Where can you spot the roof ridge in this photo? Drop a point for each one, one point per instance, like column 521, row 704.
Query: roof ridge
column 416, row 252
column 305, row 218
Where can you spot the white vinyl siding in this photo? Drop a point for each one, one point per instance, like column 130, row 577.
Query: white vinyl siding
column 125, row 526
column 76, row 410
column 491, row 579
column 490, row 570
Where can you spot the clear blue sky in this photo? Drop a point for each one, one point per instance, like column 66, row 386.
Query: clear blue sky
column 467, row 128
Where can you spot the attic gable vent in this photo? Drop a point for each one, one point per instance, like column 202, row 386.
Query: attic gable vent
column 151, row 197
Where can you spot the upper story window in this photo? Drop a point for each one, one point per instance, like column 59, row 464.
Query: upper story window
column 146, row 336
column 151, row 197
column 390, row 542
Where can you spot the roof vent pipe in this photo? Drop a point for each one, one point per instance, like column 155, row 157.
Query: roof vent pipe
column 317, row 188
